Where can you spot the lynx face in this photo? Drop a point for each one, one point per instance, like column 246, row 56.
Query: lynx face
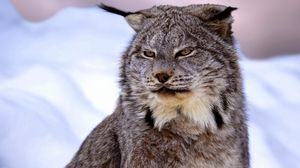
column 170, row 60
column 177, row 64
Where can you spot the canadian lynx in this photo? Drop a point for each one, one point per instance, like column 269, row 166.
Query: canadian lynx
column 181, row 102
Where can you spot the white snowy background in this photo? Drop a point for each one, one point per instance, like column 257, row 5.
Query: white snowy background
column 58, row 80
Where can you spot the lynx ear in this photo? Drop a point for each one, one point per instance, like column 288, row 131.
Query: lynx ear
column 135, row 20
column 217, row 18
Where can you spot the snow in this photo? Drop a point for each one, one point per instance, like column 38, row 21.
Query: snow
column 58, row 79
column 272, row 91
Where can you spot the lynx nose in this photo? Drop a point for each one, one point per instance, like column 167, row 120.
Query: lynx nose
column 162, row 77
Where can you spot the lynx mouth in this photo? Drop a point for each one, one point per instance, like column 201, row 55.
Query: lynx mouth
column 167, row 91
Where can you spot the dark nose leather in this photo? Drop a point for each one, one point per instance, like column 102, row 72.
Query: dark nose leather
column 162, row 77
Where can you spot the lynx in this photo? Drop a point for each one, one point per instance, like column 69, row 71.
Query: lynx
column 181, row 103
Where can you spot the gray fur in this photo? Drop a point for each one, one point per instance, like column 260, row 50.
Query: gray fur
column 196, row 118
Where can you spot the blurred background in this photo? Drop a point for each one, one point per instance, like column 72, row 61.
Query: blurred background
column 59, row 70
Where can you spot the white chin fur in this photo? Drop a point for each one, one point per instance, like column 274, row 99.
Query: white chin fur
column 193, row 105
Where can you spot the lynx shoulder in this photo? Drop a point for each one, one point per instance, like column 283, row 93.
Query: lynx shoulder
column 181, row 103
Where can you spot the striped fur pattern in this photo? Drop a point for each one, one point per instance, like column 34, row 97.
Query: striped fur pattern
column 181, row 102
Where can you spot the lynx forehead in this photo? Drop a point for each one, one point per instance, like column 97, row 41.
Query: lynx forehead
column 181, row 102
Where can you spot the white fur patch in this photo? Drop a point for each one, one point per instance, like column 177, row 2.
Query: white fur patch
column 193, row 105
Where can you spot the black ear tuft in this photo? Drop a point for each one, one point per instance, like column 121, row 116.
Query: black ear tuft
column 134, row 19
column 113, row 10
column 224, row 14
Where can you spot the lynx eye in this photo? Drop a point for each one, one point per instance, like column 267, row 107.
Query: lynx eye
column 184, row 52
column 148, row 54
